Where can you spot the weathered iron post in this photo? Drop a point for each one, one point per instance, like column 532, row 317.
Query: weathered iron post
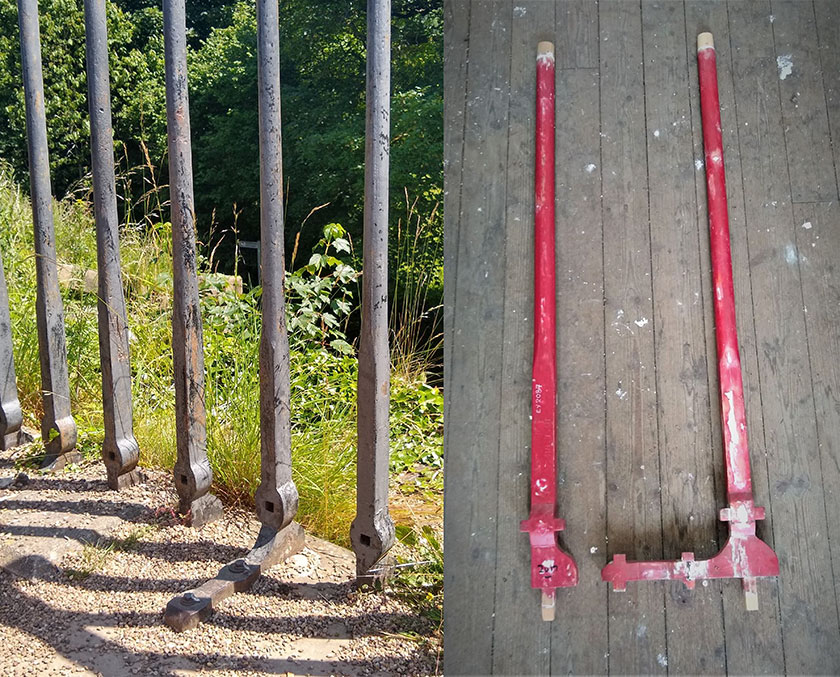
column 277, row 496
column 58, row 429
column 120, row 451
column 193, row 475
column 372, row 532
column 11, row 415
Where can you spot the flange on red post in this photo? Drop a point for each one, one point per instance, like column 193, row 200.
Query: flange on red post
column 744, row 555
column 551, row 568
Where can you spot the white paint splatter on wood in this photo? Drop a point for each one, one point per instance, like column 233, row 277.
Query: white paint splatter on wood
column 785, row 65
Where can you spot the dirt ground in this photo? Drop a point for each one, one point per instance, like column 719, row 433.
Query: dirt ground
column 87, row 572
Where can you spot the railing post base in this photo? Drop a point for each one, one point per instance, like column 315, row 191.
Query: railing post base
column 117, row 482
column 201, row 511
column 378, row 575
column 186, row 611
column 14, row 439
column 371, row 543
column 54, row 463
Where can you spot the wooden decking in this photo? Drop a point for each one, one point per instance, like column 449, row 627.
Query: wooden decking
column 640, row 451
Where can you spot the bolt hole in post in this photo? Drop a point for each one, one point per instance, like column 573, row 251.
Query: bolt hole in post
column 551, row 567
column 744, row 555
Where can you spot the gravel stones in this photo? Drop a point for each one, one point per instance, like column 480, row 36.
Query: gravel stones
column 101, row 611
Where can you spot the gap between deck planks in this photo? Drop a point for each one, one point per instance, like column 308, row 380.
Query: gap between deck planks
column 639, row 448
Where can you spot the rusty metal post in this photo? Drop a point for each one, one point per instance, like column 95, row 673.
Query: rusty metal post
column 58, row 429
column 372, row 532
column 11, row 415
column 277, row 496
column 120, row 451
column 193, row 475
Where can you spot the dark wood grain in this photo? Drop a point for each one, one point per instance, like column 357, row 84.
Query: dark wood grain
column 809, row 615
column 828, row 38
column 687, row 469
column 640, row 457
column 579, row 640
column 817, row 230
column 634, row 522
column 803, row 101
column 473, row 413
column 576, row 41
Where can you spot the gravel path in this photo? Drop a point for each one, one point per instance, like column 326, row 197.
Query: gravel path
column 100, row 610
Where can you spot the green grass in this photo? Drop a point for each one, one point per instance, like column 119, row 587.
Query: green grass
column 322, row 295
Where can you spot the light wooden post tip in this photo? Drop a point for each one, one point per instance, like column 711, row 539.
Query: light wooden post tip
column 750, row 594
column 545, row 48
column 705, row 41
column 547, row 605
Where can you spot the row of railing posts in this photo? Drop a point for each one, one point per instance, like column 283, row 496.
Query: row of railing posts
column 372, row 532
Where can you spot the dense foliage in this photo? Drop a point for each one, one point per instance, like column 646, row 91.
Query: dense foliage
column 323, row 79
column 323, row 364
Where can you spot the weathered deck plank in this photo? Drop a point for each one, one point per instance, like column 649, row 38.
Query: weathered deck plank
column 456, row 25
column 637, row 630
column 576, row 41
column 828, row 34
column 578, row 641
column 639, row 405
column 694, row 621
column 803, row 101
column 474, row 392
column 817, row 233
column 809, row 614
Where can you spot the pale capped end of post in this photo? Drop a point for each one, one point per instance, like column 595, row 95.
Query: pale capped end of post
column 545, row 50
column 547, row 605
column 750, row 594
column 705, row 41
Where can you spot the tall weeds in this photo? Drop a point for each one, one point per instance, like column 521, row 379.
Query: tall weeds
column 321, row 297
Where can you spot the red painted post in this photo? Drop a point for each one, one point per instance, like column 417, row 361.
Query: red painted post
column 744, row 555
column 550, row 567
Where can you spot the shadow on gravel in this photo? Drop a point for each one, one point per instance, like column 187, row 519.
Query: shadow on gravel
column 81, row 637
column 128, row 512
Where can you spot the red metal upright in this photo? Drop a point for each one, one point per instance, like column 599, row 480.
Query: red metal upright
column 550, row 566
column 744, row 555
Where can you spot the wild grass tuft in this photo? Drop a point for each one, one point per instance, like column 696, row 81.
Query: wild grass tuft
column 321, row 298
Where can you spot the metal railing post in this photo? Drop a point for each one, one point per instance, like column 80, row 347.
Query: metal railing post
column 193, row 475
column 277, row 496
column 372, row 532
column 11, row 415
column 120, row 451
column 58, row 429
